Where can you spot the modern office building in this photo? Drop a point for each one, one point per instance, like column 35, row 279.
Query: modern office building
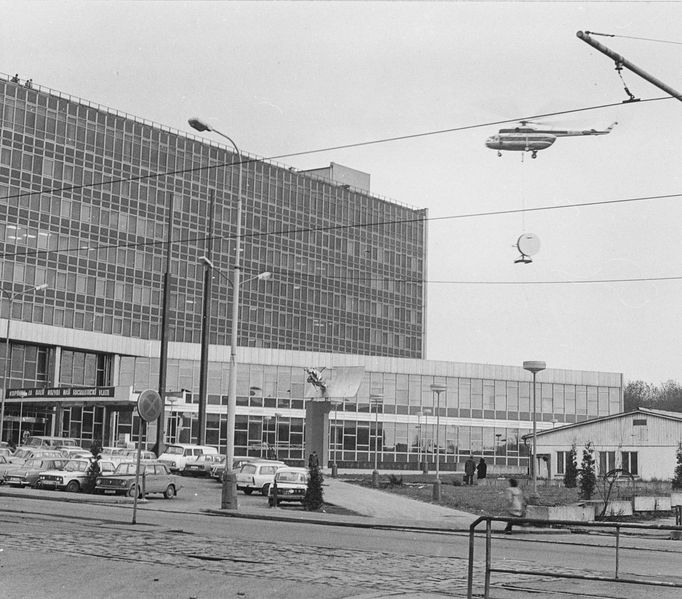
column 94, row 204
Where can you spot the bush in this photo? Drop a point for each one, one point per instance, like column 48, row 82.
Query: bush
column 313, row 499
column 588, row 479
column 677, row 478
column 571, row 474
column 394, row 480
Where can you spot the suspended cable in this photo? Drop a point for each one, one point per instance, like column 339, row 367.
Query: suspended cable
column 211, row 167
column 632, row 37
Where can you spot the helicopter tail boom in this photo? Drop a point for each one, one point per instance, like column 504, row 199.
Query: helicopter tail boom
column 569, row 133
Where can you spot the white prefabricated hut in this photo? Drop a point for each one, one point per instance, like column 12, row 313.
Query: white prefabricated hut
column 643, row 442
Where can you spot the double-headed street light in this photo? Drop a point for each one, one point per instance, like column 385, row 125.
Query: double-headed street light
column 229, row 491
column 5, row 381
column 534, row 367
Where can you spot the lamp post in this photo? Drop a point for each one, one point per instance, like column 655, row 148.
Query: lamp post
column 534, row 367
column 265, row 436
column 335, row 468
column 376, row 400
column 277, row 417
column 5, row 381
column 437, row 389
column 229, row 490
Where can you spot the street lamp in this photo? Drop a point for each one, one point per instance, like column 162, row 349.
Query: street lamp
column 277, row 417
column 335, row 468
column 5, row 381
column 437, row 389
column 534, row 367
column 229, row 490
column 376, row 399
column 425, row 431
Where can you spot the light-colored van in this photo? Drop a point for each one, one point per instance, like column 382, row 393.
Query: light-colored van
column 177, row 454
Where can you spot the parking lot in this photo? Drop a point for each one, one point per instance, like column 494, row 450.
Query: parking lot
column 196, row 494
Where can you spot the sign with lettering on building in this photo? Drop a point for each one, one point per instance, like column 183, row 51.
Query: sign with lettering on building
column 121, row 395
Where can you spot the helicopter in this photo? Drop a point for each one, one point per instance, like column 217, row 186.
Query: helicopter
column 530, row 139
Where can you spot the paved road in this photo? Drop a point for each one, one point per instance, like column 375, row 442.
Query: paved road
column 187, row 548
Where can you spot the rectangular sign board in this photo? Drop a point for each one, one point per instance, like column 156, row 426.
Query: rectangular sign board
column 120, row 395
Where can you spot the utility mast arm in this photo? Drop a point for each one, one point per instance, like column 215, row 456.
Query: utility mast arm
column 620, row 60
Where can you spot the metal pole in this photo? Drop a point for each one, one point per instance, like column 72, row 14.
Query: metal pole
column 206, row 328
column 163, row 354
column 534, row 367
column 535, row 443
column 229, row 490
column 229, row 493
column 620, row 60
column 5, row 380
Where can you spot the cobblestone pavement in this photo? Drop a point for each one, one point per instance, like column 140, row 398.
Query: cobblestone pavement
column 379, row 571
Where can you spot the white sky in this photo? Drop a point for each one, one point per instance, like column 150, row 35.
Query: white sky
column 284, row 77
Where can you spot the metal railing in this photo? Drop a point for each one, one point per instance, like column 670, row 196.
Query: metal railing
column 617, row 526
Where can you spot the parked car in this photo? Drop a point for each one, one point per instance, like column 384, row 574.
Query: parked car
column 155, row 477
column 202, row 465
column 74, row 453
column 6, row 452
column 23, row 453
column 290, row 484
column 218, row 470
column 4, row 464
column 72, row 477
column 50, row 442
column 178, row 454
column 28, row 473
column 130, row 455
column 257, row 476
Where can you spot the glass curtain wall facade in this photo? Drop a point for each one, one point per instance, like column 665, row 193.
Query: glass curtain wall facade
column 85, row 195
column 484, row 416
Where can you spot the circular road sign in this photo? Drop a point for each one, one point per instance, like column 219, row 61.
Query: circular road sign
column 149, row 405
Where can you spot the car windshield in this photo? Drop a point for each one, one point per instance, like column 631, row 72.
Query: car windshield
column 22, row 453
column 76, row 466
column 291, row 477
column 174, row 450
column 127, row 468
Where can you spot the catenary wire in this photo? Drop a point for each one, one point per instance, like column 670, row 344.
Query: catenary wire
column 209, row 167
column 632, row 37
column 38, row 252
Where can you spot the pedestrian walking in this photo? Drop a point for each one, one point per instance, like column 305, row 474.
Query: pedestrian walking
column 469, row 469
column 313, row 461
column 516, row 503
column 481, row 469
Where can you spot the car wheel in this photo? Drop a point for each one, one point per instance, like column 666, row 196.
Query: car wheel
column 131, row 492
column 73, row 487
column 247, row 491
column 265, row 489
column 169, row 493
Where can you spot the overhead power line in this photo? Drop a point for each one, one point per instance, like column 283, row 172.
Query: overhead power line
column 632, row 37
column 210, row 167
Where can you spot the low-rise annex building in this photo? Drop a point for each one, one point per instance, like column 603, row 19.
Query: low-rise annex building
column 643, row 442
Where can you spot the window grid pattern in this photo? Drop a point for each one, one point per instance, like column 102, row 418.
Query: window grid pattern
column 348, row 267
